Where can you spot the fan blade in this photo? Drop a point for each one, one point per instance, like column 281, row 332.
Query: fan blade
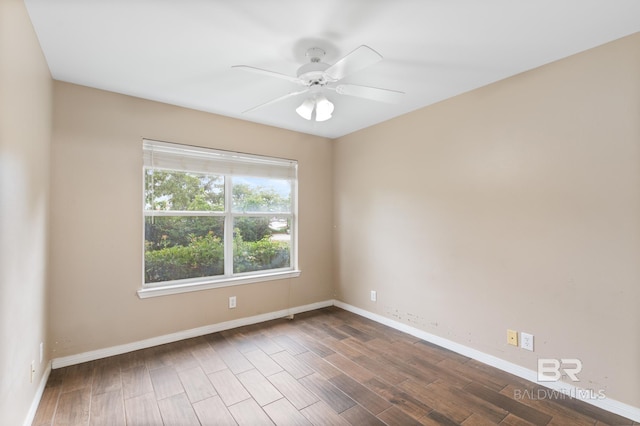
column 269, row 73
column 360, row 58
column 278, row 99
column 373, row 93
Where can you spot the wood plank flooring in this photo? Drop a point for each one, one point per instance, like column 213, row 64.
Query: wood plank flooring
column 326, row 367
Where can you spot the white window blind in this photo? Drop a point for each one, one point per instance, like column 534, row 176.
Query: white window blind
column 170, row 156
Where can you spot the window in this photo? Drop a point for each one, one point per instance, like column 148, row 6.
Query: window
column 215, row 218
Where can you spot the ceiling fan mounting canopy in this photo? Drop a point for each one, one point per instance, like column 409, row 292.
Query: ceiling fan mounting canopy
column 315, row 54
column 317, row 75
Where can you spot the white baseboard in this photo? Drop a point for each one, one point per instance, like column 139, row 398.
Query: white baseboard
column 38, row 396
column 181, row 335
column 607, row 404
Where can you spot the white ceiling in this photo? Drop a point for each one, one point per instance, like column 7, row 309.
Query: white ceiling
column 181, row 51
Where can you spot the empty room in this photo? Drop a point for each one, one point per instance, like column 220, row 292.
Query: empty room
column 319, row 213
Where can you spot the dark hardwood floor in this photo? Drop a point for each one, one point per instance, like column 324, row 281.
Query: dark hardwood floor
column 326, row 367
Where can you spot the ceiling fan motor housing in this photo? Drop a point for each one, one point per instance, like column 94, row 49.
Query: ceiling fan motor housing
column 313, row 72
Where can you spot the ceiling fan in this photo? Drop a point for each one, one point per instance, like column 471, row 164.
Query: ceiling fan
column 317, row 77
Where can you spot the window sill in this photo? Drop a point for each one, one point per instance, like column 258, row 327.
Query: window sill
column 166, row 290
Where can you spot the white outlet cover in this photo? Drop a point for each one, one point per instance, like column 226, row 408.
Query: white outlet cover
column 526, row 341
column 374, row 296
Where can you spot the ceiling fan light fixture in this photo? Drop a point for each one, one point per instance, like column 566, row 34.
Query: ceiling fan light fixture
column 322, row 107
column 305, row 110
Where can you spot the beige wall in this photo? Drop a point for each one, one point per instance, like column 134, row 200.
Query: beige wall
column 513, row 206
column 96, row 219
column 25, row 128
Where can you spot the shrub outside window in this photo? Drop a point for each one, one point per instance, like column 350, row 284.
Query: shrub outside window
column 214, row 218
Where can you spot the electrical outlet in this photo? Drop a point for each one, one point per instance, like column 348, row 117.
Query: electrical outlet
column 232, row 302
column 32, row 373
column 512, row 337
column 526, row 341
column 374, row 295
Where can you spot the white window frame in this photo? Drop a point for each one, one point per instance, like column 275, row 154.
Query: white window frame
column 171, row 156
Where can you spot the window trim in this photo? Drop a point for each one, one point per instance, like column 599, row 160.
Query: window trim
column 198, row 284
column 229, row 278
